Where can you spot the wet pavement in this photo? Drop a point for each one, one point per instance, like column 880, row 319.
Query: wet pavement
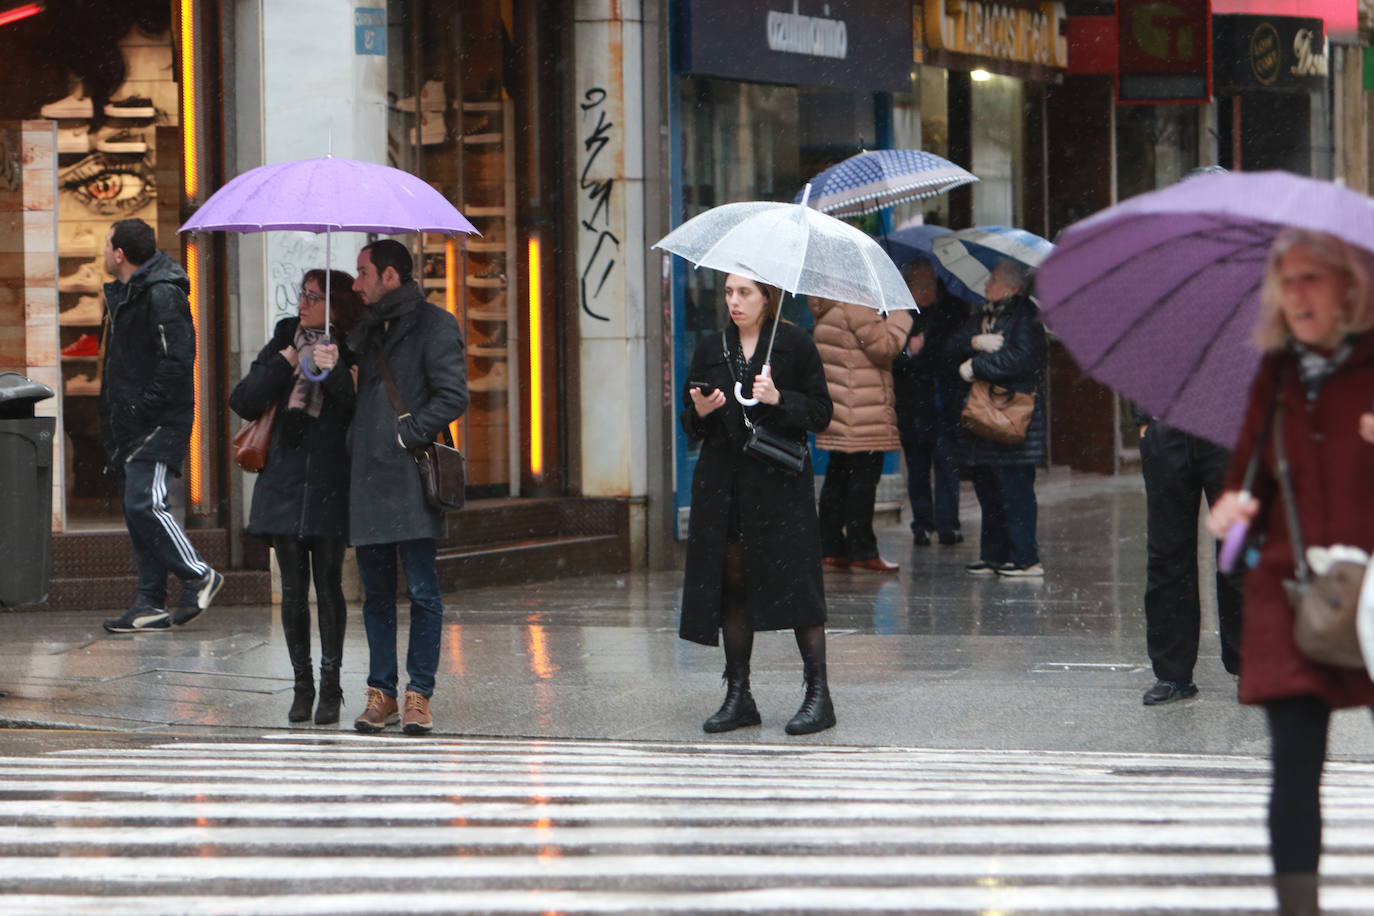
column 929, row 658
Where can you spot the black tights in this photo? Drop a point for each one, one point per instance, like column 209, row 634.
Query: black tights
column 1297, row 729
column 298, row 558
column 738, row 631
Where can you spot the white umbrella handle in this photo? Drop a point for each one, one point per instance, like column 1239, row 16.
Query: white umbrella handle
column 739, row 389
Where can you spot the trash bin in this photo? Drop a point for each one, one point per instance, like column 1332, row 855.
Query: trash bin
column 25, row 491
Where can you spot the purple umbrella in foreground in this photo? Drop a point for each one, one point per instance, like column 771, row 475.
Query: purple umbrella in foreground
column 328, row 195
column 1157, row 297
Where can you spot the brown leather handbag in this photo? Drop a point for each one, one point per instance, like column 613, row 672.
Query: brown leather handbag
column 997, row 414
column 250, row 442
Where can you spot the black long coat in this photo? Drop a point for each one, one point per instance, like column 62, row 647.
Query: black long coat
column 302, row 489
column 779, row 531
column 1020, row 366
column 423, row 345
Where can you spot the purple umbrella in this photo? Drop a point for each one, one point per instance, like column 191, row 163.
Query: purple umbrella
column 328, row 195
column 1157, row 297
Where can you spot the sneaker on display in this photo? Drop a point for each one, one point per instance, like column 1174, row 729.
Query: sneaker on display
column 85, row 345
column 82, row 385
column 79, row 239
column 134, row 106
column 432, row 98
column 496, row 379
column 122, row 141
column 88, row 278
column 432, row 130
column 88, row 311
column 76, row 105
column 74, row 140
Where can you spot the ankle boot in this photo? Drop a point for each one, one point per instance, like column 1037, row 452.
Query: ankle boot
column 331, row 697
column 304, row 698
column 1297, row 894
column 816, row 713
column 738, row 710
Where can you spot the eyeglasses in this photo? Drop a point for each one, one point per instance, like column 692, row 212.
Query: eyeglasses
column 310, row 297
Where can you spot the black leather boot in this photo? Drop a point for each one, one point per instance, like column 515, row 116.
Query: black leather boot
column 331, row 697
column 738, row 710
column 304, row 699
column 1297, row 894
column 817, row 713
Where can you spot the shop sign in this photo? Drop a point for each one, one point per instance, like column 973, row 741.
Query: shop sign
column 1269, row 52
column 1164, row 51
column 369, row 30
column 847, row 44
column 1026, row 34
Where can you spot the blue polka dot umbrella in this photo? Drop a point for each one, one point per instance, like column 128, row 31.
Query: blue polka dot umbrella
column 881, row 178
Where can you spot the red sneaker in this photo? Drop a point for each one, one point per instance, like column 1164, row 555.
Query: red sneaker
column 85, row 345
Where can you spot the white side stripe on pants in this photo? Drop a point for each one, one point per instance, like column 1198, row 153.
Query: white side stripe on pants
column 169, row 525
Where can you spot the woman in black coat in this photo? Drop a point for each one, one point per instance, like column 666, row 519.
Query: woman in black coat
column 754, row 551
column 1004, row 343
column 300, row 501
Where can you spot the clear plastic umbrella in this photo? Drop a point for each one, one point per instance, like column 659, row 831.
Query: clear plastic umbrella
column 795, row 248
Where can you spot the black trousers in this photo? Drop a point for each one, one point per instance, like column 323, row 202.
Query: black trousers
column 846, row 505
column 1179, row 469
column 1297, row 734
column 298, row 559
column 160, row 546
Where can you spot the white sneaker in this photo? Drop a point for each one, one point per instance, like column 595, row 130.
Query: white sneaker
column 88, row 278
column 88, row 311
column 73, row 140
column 495, row 380
column 432, row 98
column 133, row 106
column 122, row 141
column 432, row 130
column 76, row 105
column 1033, row 571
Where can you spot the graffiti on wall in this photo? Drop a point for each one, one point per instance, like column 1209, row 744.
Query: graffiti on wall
column 601, row 255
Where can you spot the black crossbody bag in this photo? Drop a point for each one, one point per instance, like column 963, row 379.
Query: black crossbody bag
column 443, row 470
column 771, row 448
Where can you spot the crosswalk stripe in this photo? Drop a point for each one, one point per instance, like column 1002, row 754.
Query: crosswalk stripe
column 317, row 824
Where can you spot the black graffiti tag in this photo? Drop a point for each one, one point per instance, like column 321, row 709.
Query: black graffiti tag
column 599, row 194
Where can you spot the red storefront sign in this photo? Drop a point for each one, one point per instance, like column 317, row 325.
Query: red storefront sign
column 1164, row 51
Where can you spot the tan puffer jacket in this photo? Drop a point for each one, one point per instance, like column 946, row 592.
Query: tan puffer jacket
column 857, row 346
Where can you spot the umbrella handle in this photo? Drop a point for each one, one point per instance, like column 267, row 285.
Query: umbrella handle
column 311, row 374
column 1234, row 542
column 739, row 390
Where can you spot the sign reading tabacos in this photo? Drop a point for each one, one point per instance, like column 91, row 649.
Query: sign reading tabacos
column 1030, row 36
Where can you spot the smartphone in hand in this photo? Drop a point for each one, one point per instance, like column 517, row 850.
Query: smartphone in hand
column 706, row 388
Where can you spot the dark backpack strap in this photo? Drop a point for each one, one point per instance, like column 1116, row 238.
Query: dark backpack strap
column 393, row 394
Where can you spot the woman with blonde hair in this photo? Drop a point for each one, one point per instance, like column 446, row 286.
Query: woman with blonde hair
column 1312, row 395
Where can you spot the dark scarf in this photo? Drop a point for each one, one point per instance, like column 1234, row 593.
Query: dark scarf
column 1315, row 367
column 305, row 394
column 369, row 331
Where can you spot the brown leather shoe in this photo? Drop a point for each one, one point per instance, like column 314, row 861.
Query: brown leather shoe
column 837, row 562
column 380, row 712
column 876, row 564
column 417, row 720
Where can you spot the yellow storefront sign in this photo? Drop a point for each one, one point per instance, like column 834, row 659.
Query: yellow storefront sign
column 996, row 30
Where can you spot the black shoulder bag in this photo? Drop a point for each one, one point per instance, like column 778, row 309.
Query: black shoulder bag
column 767, row 446
column 443, row 470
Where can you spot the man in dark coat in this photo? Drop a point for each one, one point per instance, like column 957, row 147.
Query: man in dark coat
column 147, row 402
column 927, row 385
column 422, row 347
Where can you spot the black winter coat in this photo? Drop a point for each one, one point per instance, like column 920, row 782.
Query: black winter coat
column 423, row 345
column 147, row 390
column 928, row 388
column 1019, row 365
column 302, row 490
column 776, row 509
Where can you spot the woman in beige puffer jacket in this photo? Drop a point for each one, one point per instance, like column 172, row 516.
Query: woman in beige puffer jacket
column 857, row 345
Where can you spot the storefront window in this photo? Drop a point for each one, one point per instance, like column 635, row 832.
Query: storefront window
column 998, row 126
column 1156, row 146
column 920, row 120
column 453, row 119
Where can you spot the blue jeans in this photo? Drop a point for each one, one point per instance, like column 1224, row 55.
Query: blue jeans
column 1007, row 498
column 377, row 569
column 932, row 508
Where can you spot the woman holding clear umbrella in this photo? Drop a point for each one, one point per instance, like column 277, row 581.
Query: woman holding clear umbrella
column 300, row 500
column 754, row 551
column 1312, row 393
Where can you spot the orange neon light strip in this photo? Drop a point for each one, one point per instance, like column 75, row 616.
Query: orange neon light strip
column 536, row 364
column 195, row 475
column 188, row 98
column 451, row 303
